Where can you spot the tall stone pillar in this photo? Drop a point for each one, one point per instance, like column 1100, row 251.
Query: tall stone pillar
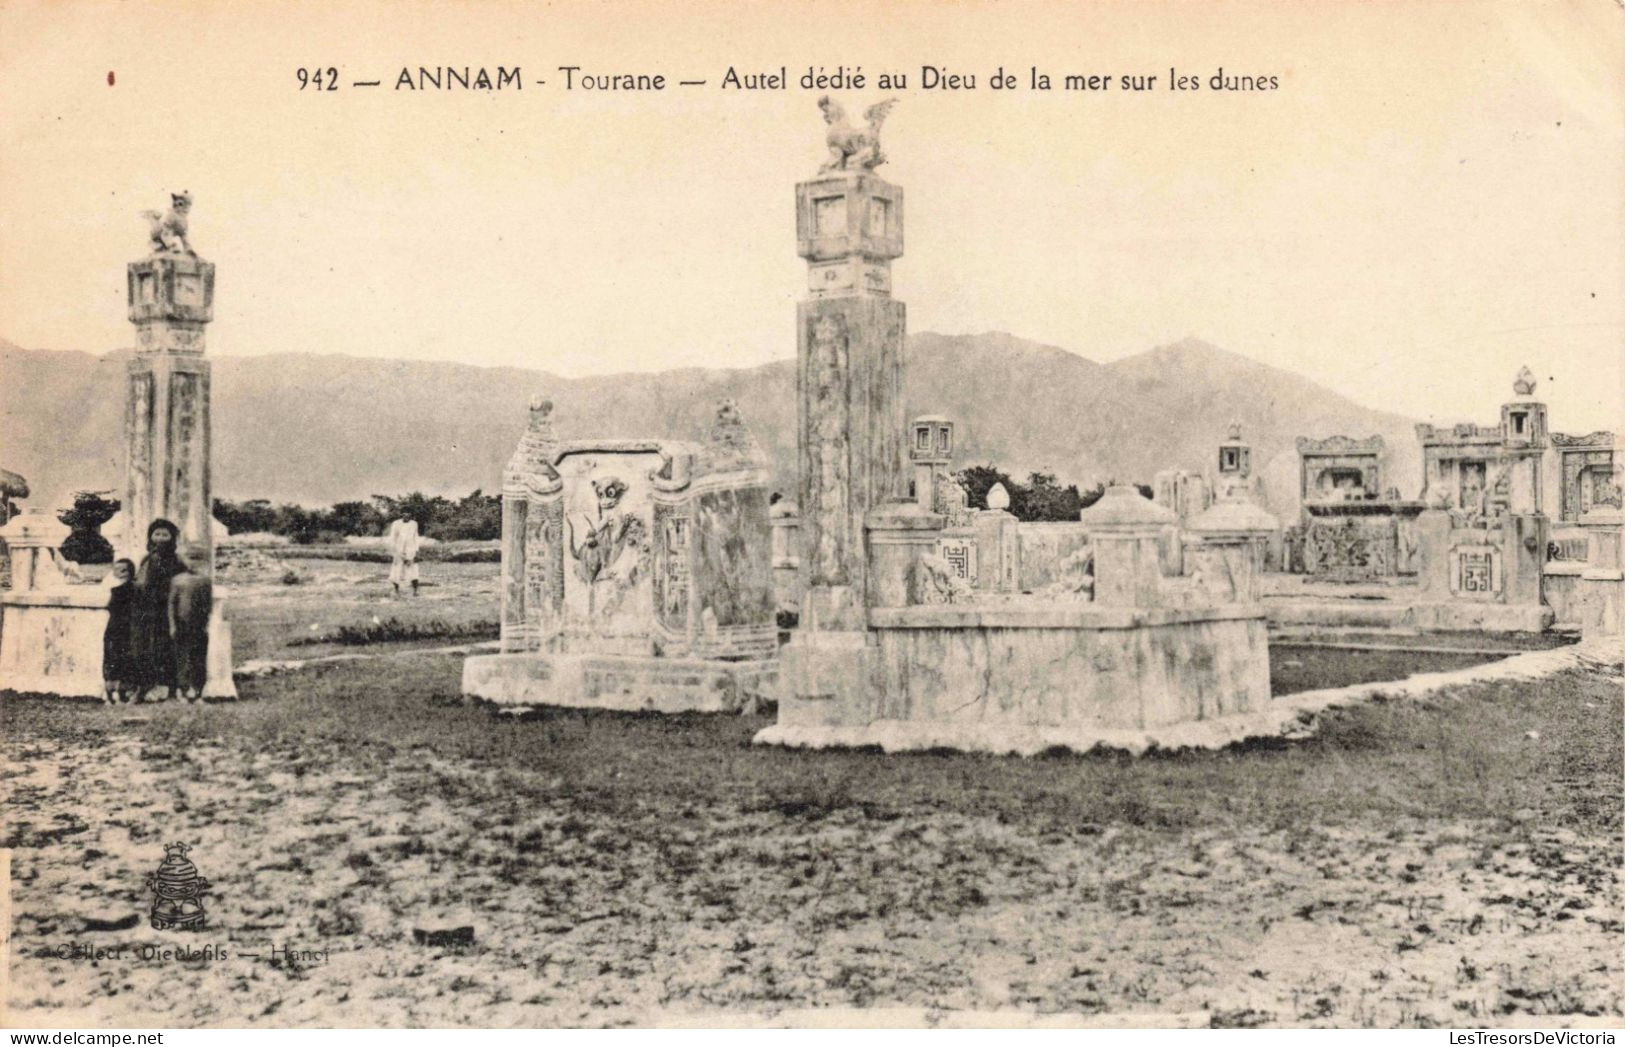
column 849, row 350
column 166, row 413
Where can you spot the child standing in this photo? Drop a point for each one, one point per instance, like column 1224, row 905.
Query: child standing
column 117, row 656
column 191, row 599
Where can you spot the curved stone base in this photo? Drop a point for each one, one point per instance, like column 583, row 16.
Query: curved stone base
column 622, row 682
column 1286, row 717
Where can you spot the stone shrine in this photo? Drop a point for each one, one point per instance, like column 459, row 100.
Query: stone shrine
column 1352, row 528
column 1483, row 536
column 636, row 574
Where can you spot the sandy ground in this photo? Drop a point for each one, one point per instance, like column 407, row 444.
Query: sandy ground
column 599, row 894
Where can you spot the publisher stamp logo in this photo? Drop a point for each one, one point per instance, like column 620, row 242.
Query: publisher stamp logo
column 178, row 892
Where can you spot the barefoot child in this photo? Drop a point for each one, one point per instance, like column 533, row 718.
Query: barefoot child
column 116, row 654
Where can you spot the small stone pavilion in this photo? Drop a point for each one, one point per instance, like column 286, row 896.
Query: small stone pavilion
column 636, row 574
column 893, row 648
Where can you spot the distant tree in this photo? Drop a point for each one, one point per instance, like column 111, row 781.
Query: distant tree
column 475, row 518
column 254, row 516
column 300, row 525
column 1041, row 498
column 478, row 517
column 980, row 479
column 426, row 510
column 361, row 519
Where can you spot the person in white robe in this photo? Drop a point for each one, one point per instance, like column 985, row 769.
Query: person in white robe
column 403, row 547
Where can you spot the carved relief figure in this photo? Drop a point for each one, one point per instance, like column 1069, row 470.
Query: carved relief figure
column 168, row 231
column 829, row 445
column 1472, row 489
column 850, row 146
column 609, row 546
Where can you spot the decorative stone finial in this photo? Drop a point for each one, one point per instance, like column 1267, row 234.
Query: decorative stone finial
column 168, row 231
column 998, row 497
column 1524, row 384
column 731, row 444
column 533, row 456
column 1235, row 432
column 851, row 147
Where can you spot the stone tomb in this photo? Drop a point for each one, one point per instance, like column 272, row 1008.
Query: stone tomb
column 636, row 574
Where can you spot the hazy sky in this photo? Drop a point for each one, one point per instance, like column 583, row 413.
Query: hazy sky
column 1431, row 198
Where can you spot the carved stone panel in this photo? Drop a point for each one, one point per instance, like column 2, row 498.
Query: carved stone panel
column 1475, row 572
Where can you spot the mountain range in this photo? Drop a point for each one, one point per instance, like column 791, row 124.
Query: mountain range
column 315, row 429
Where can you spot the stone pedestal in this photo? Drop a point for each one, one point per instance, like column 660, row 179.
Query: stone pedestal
column 1124, row 528
column 33, row 539
column 1228, row 542
column 166, row 417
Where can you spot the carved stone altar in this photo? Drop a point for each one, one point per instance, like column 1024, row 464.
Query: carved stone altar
column 894, row 648
column 636, row 574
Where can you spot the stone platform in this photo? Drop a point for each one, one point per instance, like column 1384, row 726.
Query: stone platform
column 627, row 683
column 935, row 673
column 51, row 643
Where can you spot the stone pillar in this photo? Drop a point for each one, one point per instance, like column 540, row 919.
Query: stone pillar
column 1523, row 554
column 998, row 544
column 1124, row 526
column 532, row 550
column 850, row 335
column 1433, row 553
column 785, row 520
column 930, row 449
column 166, row 413
column 1603, row 580
column 900, row 533
column 849, row 352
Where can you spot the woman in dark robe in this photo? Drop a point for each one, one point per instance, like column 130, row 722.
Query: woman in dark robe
column 152, row 648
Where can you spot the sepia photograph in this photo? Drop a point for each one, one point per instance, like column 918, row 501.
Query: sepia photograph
column 921, row 515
